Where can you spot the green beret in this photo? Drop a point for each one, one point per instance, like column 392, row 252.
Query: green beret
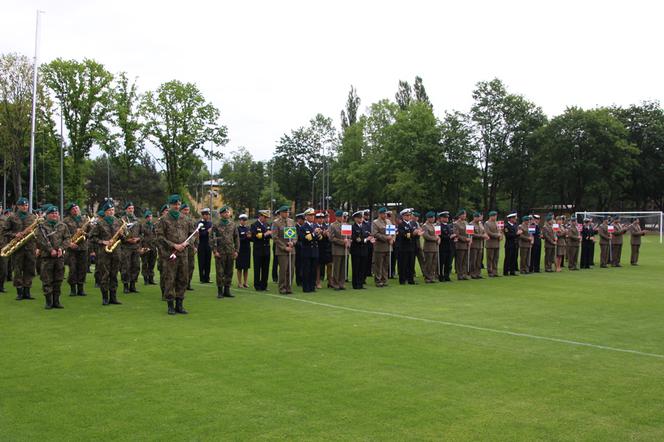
column 147, row 213
column 283, row 208
column 21, row 201
column 525, row 218
column 70, row 205
column 184, row 206
column 549, row 216
column 100, row 213
column 224, row 209
column 339, row 213
column 174, row 199
column 416, row 213
column 50, row 209
column 162, row 208
column 431, row 214
column 108, row 204
column 128, row 204
column 476, row 214
column 493, row 213
column 461, row 212
column 382, row 210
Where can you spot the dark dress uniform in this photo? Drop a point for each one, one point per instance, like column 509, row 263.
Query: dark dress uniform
column 366, row 225
column 359, row 252
column 588, row 233
column 204, row 251
column 511, row 249
column 77, row 259
column 536, row 251
column 324, row 251
column 243, row 261
column 261, row 239
column 52, row 236
column 407, row 250
column 298, row 257
column 309, row 254
column 23, row 260
column 446, row 251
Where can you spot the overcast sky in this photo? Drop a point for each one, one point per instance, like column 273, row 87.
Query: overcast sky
column 269, row 66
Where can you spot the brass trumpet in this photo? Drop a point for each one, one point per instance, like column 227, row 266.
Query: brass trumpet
column 80, row 234
column 16, row 243
column 115, row 240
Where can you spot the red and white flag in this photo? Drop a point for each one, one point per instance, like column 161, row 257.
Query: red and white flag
column 346, row 229
column 611, row 229
column 501, row 225
column 470, row 229
column 556, row 227
column 436, row 230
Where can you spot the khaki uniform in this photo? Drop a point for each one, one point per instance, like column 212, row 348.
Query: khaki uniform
column 286, row 259
column 549, row 246
column 130, row 264
column 52, row 236
column 339, row 271
column 573, row 245
column 635, row 241
column 169, row 232
column 476, row 249
column 525, row 246
column 77, row 259
column 604, row 245
column 561, row 247
column 492, row 247
column 23, row 260
column 461, row 259
column 430, row 250
column 381, row 251
column 616, row 244
column 225, row 242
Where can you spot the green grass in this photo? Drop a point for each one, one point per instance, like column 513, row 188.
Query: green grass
column 266, row 367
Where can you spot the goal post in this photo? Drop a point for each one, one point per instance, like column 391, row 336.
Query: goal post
column 653, row 221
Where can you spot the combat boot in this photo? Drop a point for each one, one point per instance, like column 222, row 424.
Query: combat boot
column 104, row 297
column 73, row 291
column 146, row 281
column 152, row 281
column 132, row 287
column 49, row 302
column 179, row 308
column 227, row 292
column 125, row 288
column 2, row 287
column 189, row 287
column 26, row 293
column 171, row 309
column 19, row 293
column 56, row 300
column 114, row 298
column 81, row 290
column 220, row 292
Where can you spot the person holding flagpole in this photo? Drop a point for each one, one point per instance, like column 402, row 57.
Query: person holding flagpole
column 406, row 235
column 512, row 232
column 340, row 244
column 525, row 244
column 381, row 248
column 430, row 248
column 462, row 245
column 495, row 234
column 284, row 249
column 446, row 246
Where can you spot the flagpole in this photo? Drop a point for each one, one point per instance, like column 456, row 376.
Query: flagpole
column 34, row 115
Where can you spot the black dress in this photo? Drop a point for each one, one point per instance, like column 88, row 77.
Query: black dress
column 243, row 260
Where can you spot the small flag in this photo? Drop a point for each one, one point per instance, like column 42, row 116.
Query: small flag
column 501, row 225
column 532, row 230
column 437, row 230
column 290, row 233
column 470, row 229
column 346, row 229
column 390, row 229
column 556, row 227
column 611, row 229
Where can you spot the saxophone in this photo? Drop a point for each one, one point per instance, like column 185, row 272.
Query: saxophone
column 80, row 234
column 16, row 243
column 115, row 240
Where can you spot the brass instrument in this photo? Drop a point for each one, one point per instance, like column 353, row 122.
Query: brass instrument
column 80, row 234
column 16, row 243
column 115, row 240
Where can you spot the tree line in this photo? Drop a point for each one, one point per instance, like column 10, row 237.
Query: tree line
column 503, row 153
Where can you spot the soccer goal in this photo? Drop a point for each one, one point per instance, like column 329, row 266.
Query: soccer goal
column 650, row 221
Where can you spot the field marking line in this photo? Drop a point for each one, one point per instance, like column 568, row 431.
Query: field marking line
column 471, row 327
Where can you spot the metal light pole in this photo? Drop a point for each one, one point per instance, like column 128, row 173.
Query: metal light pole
column 313, row 178
column 210, row 189
column 108, row 177
column 62, row 165
column 34, row 115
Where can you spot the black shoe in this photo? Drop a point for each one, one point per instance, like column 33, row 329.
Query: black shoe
column 96, row 285
column 190, row 288
column 179, row 308
column 114, row 298
column 125, row 288
column 49, row 302
column 152, row 281
column 132, row 287
column 19, row 293
column 2, row 288
column 56, row 301
column 145, row 281
column 26, row 293
column 72, row 290
column 171, row 308
column 227, row 292
column 81, row 290
column 220, row 293
column 104, row 297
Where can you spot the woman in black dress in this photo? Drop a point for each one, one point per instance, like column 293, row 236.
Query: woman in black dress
column 244, row 256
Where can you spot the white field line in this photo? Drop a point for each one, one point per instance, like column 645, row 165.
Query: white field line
column 471, row 327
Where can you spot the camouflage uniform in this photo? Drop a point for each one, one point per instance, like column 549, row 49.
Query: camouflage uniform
column 23, row 260
column 108, row 263
column 3, row 261
column 130, row 264
column 149, row 256
column 191, row 252
column 225, row 241
column 172, row 229
column 51, row 236
column 77, row 259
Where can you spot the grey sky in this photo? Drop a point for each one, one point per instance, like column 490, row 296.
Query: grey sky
column 270, row 66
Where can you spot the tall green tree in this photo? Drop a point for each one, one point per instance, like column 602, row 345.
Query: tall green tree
column 180, row 122
column 83, row 91
column 243, row 178
column 349, row 114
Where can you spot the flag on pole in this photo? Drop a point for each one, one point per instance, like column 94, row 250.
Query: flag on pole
column 556, row 227
column 501, row 225
column 346, row 229
column 390, row 229
column 470, row 229
column 611, row 229
column 290, row 233
column 437, row 230
column 532, row 230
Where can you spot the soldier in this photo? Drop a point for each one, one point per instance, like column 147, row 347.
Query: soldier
column 340, row 245
column 163, row 211
column 635, row 241
column 445, row 247
column 536, row 249
column 53, row 239
column 477, row 246
column 430, row 249
column 243, row 260
column 381, row 248
column 604, row 243
column 359, row 250
column 308, row 238
column 366, row 223
column 204, row 251
column 587, row 243
column 407, row 248
column 148, row 250
column 261, row 235
column 512, row 232
column 108, row 262
column 324, row 250
column 561, row 246
column 191, row 251
column 550, row 242
column 299, row 221
column 23, row 260
column 225, row 245
column 130, row 264
column 172, row 232
column 395, row 246
column 285, row 248
column 492, row 244
column 95, row 249
column 463, row 242
column 419, row 254
column 617, row 242
column 77, row 254
column 275, row 261
column 3, row 261
column 573, row 244
column 525, row 244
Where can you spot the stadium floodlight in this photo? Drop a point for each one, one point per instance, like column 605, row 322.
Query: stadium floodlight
column 652, row 221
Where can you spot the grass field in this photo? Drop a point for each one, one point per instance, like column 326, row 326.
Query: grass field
column 464, row 360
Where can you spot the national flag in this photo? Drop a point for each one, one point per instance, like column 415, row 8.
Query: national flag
column 470, row 229
column 390, row 229
column 346, row 229
column 532, row 230
column 436, row 230
column 290, row 233
column 501, row 225
column 611, row 229
column 556, row 227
